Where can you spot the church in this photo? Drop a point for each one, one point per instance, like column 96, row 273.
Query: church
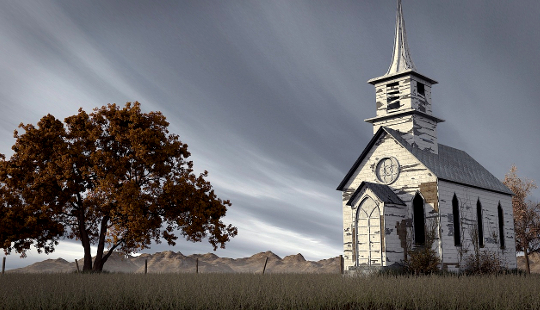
column 405, row 187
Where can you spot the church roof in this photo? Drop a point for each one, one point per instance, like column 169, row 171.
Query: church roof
column 450, row 164
column 384, row 192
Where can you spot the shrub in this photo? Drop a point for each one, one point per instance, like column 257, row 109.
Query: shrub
column 484, row 262
column 422, row 259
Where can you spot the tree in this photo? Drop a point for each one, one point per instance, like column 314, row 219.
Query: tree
column 526, row 215
column 115, row 178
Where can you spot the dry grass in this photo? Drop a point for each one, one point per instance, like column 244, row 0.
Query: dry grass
column 273, row 291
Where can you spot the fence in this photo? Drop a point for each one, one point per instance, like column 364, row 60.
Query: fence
column 196, row 265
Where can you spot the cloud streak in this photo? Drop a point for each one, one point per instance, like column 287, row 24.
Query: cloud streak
column 271, row 96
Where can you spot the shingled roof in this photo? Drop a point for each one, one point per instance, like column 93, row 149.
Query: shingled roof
column 384, row 192
column 450, row 164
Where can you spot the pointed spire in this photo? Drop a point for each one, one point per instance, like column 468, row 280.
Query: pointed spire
column 401, row 59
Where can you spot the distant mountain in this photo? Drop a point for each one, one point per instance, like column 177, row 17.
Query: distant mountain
column 176, row 262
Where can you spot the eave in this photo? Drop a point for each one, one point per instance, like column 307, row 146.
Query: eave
column 371, row 143
column 387, row 77
column 403, row 113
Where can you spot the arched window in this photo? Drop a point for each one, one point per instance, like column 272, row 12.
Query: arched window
column 501, row 226
column 419, row 220
column 480, row 224
column 368, row 234
column 457, row 224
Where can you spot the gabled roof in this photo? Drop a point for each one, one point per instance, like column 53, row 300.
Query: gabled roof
column 450, row 164
column 384, row 192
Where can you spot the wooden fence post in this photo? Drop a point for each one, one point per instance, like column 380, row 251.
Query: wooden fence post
column 3, row 265
column 146, row 266
column 341, row 263
column 266, row 261
column 77, row 264
column 197, row 266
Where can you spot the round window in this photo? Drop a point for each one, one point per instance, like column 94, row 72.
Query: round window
column 388, row 170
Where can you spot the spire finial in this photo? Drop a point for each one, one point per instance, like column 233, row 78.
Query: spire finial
column 401, row 59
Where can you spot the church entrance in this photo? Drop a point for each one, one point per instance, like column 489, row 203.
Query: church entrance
column 368, row 227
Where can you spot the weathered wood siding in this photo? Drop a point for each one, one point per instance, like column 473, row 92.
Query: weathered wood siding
column 396, row 218
column 401, row 95
column 467, row 198
column 371, row 229
column 407, row 90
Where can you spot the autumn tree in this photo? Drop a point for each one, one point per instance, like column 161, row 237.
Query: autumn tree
column 115, row 178
column 526, row 215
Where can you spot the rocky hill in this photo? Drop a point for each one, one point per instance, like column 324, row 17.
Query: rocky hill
column 176, row 262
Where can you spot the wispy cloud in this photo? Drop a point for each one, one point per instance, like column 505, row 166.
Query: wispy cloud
column 271, row 96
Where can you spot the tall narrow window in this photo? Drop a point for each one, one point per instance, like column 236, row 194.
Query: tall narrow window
column 480, row 224
column 457, row 224
column 501, row 226
column 419, row 220
column 420, row 88
column 392, row 96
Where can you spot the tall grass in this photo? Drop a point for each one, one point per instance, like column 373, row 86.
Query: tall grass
column 270, row 291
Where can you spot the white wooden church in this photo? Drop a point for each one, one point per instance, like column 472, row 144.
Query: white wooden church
column 406, row 185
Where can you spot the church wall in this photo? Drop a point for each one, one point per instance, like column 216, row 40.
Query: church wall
column 392, row 245
column 425, row 134
column 386, row 94
column 402, row 124
column 421, row 102
column 412, row 175
column 396, row 219
column 406, row 92
column 415, row 130
column 468, row 197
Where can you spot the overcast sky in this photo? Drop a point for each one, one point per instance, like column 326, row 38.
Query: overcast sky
column 270, row 95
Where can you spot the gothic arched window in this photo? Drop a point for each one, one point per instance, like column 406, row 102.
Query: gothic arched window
column 419, row 220
column 457, row 224
column 501, row 226
column 480, row 224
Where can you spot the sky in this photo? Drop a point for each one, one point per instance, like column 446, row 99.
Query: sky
column 270, row 95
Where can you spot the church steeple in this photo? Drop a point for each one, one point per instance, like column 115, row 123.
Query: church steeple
column 404, row 96
column 401, row 59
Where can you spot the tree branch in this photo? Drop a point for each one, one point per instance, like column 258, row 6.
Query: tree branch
column 104, row 259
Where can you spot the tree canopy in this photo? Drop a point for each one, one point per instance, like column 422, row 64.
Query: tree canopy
column 526, row 214
column 114, row 178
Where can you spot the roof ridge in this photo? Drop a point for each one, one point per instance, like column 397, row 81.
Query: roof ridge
column 451, row 164
column 382, row 191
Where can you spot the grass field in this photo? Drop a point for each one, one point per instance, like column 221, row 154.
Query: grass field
column 270, row 291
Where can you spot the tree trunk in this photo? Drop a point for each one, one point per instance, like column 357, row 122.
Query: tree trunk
column 85, row 241
column 527, row 262
column 98, row 262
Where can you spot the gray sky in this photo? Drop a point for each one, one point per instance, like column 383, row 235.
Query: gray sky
column 271, row 95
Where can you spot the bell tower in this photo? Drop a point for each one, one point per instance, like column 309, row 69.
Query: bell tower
column 403, row 96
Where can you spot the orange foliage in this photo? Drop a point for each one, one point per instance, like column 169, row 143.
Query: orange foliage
column 526, row 214
column 115, row 177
